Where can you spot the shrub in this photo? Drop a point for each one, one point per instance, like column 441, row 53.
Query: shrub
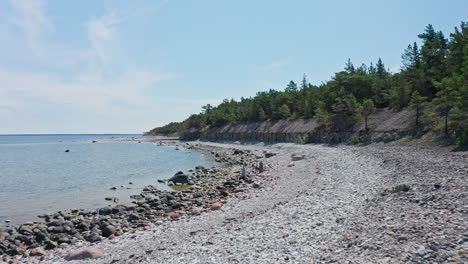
column 355, row 139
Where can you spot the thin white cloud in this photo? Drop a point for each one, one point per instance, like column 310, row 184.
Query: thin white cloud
column 86, row 92
column 98, row 82
column 29, row 17
column 102, row 34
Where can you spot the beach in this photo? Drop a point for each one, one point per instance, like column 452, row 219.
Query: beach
column 379, row 203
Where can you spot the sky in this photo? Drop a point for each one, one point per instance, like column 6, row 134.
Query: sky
column 119, row 66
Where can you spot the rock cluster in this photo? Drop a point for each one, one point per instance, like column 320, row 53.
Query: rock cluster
column 210, row 186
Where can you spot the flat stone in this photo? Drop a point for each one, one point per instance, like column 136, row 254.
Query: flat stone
column 216, row 206
column 90, row 253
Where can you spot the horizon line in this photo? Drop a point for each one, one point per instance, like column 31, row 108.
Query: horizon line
column 68, row 134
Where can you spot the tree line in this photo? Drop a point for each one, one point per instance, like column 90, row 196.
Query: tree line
column 432, row 81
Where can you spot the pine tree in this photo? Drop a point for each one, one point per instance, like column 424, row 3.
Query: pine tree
column 367, row 108
column 284, row 112
column 416, row 103
column 411, row 57
column 291, row 87
column 349, row 68
column 447, row 98
column 261, row 114
column 381, row 72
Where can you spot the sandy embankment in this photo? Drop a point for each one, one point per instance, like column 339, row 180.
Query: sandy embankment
column 338, row 205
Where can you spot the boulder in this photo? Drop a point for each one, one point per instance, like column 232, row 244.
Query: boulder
column 48, row 244
column 105, row 211
column 90, row 253
column 93, row 237
column 133, row 217
column 180, row 178
column 296, row 157
column 200, row 167
column 108, row 230
column 37, row 252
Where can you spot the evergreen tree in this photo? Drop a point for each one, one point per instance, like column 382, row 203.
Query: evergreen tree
column 261, row 114
column 283, row 112
column 349, row 68
column 291, row 87
column 416, row 103
column 411, row 58
column 433, row 56
column 447, row 99
column 380, row 68
column 304, row 84
column 367, row 108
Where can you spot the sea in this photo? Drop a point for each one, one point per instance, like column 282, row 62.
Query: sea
column 38, row 175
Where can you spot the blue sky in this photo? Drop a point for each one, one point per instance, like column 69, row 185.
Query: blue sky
column 117, row 66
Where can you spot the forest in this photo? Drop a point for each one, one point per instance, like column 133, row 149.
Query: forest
column 432, row 82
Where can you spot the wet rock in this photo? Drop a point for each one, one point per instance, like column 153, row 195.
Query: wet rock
column 90, row 253
column 105, row 211
column 180, row 178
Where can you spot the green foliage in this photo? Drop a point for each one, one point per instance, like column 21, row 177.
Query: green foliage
column 416, row 103
column 433, row 78
column 283, row 112
column 461, row 137
column 355, row 139
column 366, row 109
column 303, row 139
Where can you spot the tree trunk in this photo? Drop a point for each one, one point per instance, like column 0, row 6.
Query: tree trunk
column 417, row 116
column 365, row 119
column 446, row 124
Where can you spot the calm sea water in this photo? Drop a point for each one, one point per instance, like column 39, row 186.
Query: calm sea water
column 37, row 175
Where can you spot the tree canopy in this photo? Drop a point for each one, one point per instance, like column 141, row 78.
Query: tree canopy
column 433, row 77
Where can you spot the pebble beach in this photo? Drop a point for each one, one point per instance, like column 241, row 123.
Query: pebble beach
column 379, row 203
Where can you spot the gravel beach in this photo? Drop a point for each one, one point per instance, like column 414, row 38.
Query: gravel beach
column 379, row 203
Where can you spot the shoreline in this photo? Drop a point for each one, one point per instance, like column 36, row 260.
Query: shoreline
column 322, row 204
column 82, row 227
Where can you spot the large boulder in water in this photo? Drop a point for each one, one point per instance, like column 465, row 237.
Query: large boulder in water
column 180, row 178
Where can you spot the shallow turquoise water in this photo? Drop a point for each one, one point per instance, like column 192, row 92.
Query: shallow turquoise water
column 37, row 176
